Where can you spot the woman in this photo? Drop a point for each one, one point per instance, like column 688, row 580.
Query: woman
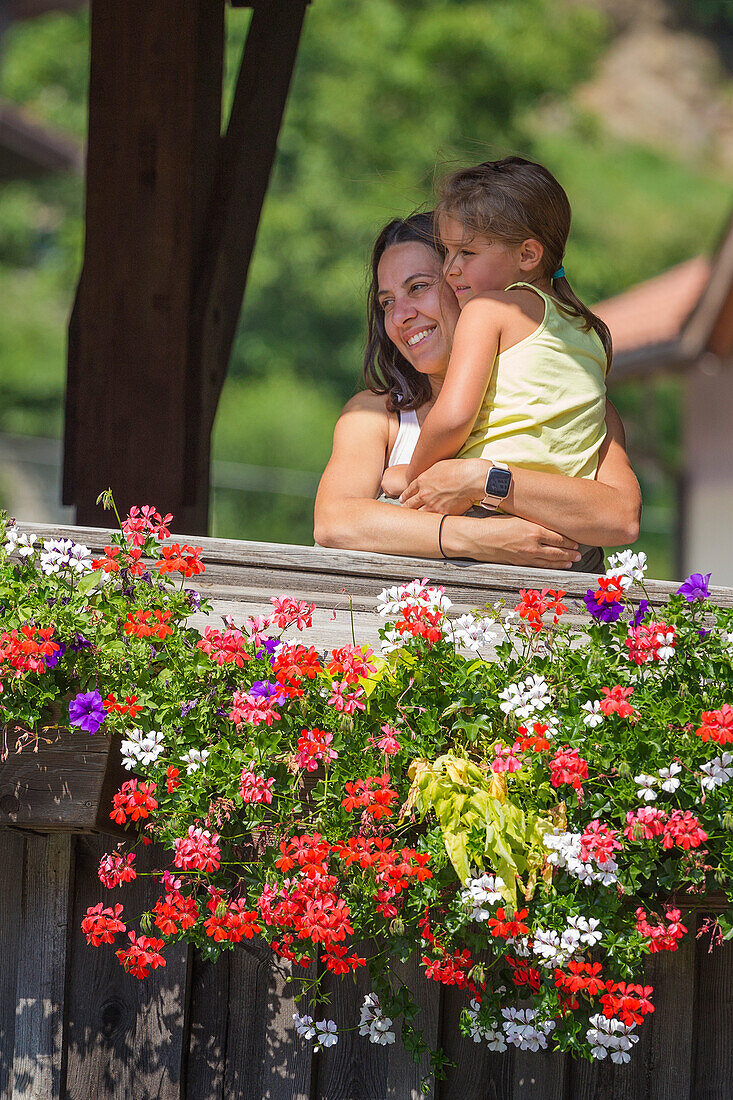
column 412, row 314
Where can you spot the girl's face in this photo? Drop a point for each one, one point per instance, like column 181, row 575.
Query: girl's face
column 420, row 309
column 476, row 265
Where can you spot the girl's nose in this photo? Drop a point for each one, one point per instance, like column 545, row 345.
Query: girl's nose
column 451, row 265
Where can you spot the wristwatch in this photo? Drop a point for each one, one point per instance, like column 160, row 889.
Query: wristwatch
column 498, row 484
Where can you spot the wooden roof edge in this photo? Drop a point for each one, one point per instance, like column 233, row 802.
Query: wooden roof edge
column 669, row 356
column 36, row 145
column 332, row 568
column 17, row 10
column 698, row 327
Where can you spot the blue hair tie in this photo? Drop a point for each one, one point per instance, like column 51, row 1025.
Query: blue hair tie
column 560, row 273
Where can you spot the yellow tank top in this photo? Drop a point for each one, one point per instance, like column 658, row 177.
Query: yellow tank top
column 545, row 405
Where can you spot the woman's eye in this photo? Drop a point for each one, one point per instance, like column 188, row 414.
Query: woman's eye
column 387, row 303
column 418, row 286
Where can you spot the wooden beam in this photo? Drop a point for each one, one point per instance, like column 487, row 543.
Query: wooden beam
column 154, row 133
column 29, row 9
column 28, row 149
column 247, row 155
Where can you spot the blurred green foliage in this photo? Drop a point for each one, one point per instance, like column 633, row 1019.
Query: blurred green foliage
column 386, row 95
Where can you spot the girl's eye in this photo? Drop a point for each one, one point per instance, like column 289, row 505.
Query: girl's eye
column 467, row 252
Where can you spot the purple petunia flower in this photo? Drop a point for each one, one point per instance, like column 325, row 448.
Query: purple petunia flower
column 194, row 599
column 79, row 643
column 263, row 689
column 55, row 657
column 187, row 707
column 640, row 613
column 695, row 587
column 605, row 612
column 87, row 711
column 269, row 645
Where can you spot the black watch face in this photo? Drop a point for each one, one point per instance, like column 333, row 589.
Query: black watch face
column 498, row 482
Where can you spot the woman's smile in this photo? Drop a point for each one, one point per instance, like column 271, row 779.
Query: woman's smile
column 420, row 336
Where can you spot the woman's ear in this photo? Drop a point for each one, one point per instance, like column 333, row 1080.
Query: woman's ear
column 530, row 255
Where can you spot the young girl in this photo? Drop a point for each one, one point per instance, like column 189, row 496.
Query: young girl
column 525, row 385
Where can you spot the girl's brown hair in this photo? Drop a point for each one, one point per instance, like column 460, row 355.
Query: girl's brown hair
column 386, row 371
column 513, row 199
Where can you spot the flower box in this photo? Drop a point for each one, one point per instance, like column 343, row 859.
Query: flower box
column 64, row 780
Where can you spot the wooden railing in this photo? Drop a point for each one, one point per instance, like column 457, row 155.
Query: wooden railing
column 74, row 1025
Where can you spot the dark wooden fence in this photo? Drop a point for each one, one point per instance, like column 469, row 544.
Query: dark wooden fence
column 74, row 1025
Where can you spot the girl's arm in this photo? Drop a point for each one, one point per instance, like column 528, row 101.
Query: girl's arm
column 448, row 424
column 348, row 517
column 604, row 511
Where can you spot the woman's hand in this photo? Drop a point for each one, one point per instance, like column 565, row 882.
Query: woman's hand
column 508, row 540
column 450, row 487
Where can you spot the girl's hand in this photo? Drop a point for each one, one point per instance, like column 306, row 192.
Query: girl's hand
column 394, row 480
column 449, row 487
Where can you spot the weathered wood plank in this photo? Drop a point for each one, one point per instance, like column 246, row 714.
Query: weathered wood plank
column 713, row 1078
column 125, row 1035
column 670, row 1051
column 244, row 562
column 540, row 1075
column 65, row 781
column 662, row 1060
column 356, row 1069
column 11, row 940
column 265, row 1060
column 40, row 1047
column 477, row 1071
column 208, row 1012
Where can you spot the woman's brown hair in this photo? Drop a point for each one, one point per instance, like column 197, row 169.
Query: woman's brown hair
column 514, row 199
column 386, row 371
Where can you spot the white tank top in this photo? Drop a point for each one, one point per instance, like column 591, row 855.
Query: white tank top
column 406, row 441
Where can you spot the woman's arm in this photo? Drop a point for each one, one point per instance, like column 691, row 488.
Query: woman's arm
column 603, row 511
column 348, row 517
column 448, row 424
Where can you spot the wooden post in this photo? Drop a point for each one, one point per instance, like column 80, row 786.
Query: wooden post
column 172, row 214
column 154, row 132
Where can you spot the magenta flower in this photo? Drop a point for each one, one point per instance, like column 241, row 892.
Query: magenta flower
column 87, row 711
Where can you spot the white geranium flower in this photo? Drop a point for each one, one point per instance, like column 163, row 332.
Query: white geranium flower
column 194, row 759
column 666, row 643
column 717, row 771
column 391, row 641
column 63, row 554
column 474, row 633
column 304, row 1026
column 645, row 787
column 480, row 892
column 18, row 540
column 668, row 776
column 594, row 717
column 374, row 1023
column 588, row 927
column 326, row 1034
column 627, row 565
column 141, row 748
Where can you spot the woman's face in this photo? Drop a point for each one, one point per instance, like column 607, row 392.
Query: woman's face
column 420, row 309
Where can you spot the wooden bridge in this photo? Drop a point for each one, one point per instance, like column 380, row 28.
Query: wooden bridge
column 75, row 1026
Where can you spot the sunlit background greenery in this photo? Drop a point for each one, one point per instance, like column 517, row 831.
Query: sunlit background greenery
column 386, row 94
